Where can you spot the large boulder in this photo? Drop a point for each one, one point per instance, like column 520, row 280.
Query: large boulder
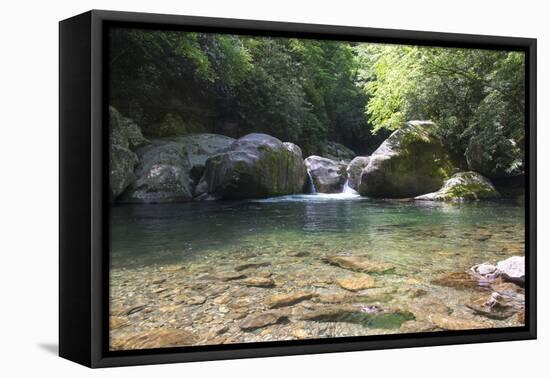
column 463, row 186
column 337, row 151
column 412, row 161
column 125, row 138
column 355, row 168
column 254, row 166
column 329, row 176
column 169, row 168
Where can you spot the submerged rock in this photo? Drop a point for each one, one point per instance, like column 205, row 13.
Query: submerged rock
column 453, row 323
column 494, row 307
column 155, row 338
column 456, row 280
column 412, row 161
column 265, row 319
column 368, row 316
column 125, row 138
column 355, row 168
column 463, row 186
column 360, row 264
column 240, row 268
column 254, row 166
column 356, row 283
column 258, row 281
column 283, row 300
column 329, row 176
column 169, row 167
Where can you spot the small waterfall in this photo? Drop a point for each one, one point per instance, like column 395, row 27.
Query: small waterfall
column 348, row 189
column 310, row 184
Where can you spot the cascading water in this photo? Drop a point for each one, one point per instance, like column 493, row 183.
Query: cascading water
column 311, row 185
column 348, row 189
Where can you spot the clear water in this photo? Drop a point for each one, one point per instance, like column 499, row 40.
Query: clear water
column 405, row 233
column 162, row 253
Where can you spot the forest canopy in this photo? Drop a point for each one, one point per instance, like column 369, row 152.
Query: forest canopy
column 310, row 91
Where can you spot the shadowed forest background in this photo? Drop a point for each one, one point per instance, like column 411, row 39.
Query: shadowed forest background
column 310, row 91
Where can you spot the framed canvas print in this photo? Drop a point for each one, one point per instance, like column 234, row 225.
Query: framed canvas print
column 233, row 188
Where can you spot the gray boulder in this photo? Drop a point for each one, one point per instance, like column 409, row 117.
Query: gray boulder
column 254, row 166
column 125, row 138
column 463, row 186
column 169, row 168
column 329, row 176
column 512, row 269
column 411, row 162
column 355, row 168
column 337, row 151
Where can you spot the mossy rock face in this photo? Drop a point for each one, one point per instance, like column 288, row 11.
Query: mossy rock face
column 412, row 161
column 125, row 138
column 463, row 186
column 329, row 176
column 254, row 166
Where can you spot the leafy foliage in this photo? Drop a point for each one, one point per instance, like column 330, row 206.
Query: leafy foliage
column 310, row 91
column 475, row 96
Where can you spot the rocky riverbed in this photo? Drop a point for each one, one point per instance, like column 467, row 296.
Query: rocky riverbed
column 314, row 282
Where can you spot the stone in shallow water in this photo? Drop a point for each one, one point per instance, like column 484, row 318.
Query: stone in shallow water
column 329, row 313
column 258, row 282
column 372, row 317
column 118, row 322
column 412, row 326
column 283, row 300
column 485, row 269
column 191, row 299
column 155, row 338
column 453, row 323
column 492, row 307
column 135, row 309
column 252, row 266
column 512, row 269
column 265, row 319
column 508, row 288
column 230, row 276
column 456, row 280
column 356, row 283
column 360, row 264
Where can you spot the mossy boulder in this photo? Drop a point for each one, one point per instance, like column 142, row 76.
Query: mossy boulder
column 355, row 168
column 412, row 161
column 169, row 168
column 463, row 186
column 328, row 176
column 125, row 138
column 254, row 166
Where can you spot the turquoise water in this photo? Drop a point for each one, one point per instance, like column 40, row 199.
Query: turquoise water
column 401, row 232
column 211, row 268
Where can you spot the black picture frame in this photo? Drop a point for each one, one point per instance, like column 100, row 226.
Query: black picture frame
column 84, row 196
